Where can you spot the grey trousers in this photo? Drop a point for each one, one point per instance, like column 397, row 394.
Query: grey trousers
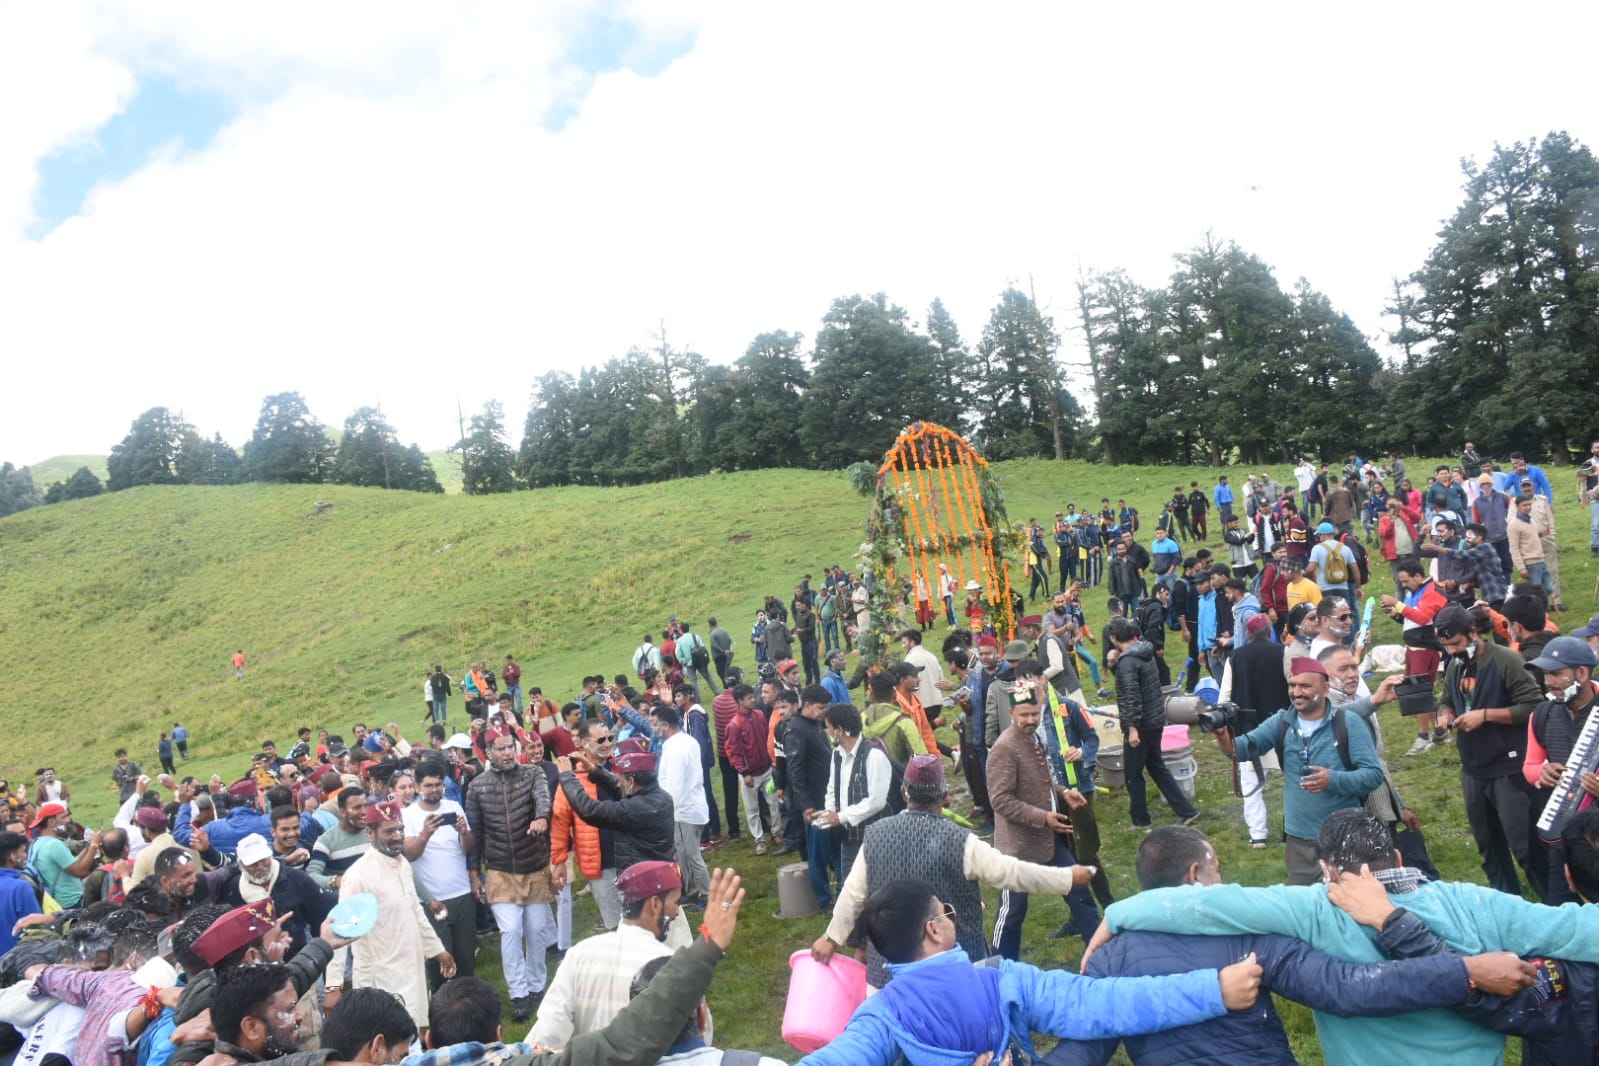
column 696, row 878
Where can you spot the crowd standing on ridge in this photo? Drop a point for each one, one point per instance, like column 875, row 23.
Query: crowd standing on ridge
column 325, row 905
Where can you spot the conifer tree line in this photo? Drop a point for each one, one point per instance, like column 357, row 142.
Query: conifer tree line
column 1495, row 336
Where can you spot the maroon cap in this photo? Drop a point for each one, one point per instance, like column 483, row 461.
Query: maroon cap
column 238, row 928
column 786, row 665
column 384, row 811
column 1032, row 620
column 633, row 746
column 986, row 641
column 246, row 789
column 1306, row 665
column 645, row 879
column 1256, row 623
column 634, row 762
column 925, row 770
column 151, row 818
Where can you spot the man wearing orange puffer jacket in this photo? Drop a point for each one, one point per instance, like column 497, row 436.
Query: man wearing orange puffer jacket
column 595, row 847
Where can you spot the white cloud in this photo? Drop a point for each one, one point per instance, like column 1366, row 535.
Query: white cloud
column 390, row 218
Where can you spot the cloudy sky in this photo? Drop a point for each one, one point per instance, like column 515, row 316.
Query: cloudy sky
column 420, row 204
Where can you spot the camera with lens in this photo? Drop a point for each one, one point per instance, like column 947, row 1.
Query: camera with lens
column 1191, row 710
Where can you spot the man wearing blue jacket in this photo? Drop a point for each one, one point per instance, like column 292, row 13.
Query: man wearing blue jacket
column 1180, row 855
column 1326, row 764
column 1223, row 495
column 982, row 1010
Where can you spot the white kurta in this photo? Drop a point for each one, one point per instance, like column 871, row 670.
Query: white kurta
column 393, row 954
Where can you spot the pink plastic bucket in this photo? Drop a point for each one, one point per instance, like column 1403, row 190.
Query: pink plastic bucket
column 821, row 998
column 1174, row 737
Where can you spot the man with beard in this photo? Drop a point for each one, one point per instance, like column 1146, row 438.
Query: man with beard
column 437, row 842
column 591, row 984
column 1349, row 692
column 1316, row 781
column 63, row 872
column 595, row 847
column 393, row 954
column 1030, row 820
column 338, row 848
column 258, row 876
column 509, row 809
column 255, row 1013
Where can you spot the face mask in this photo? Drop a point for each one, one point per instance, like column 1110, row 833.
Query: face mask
column 1467, row 655
column 1563, row 695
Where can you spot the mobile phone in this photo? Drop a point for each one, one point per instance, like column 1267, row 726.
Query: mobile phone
column 449, row 818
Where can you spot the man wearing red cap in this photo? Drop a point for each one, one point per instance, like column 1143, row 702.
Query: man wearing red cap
column 591, row 984
column 1327, row 763
column 62, row 871
column 393, row 954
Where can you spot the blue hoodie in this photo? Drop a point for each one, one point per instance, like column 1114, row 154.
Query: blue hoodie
column 1011, row 1005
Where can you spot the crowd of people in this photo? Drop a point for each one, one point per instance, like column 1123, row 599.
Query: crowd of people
column 211, row 923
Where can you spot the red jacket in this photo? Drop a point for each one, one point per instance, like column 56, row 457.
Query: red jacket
column 723, row 707
column 1274, row 590
column 1426, row 609
column 1385, row 531
column 746, row 744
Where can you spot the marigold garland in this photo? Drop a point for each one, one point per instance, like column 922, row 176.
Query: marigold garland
column 937, row 500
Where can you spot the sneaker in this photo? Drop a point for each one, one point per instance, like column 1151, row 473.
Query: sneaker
column 1104, row 693
column 1067, row 928
column 1442, row 736
column 1136, row 828
column 1422, row 744
column 1191, row 819
column 760, row 846
column 521, row 1008
column 1258, row 845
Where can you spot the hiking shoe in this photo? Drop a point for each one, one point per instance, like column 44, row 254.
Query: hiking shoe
column 1422, row 744
column 760, row 846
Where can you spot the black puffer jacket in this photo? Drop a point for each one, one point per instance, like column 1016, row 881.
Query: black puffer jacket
column 500, row 806
column 643, row 822
column 1138, row 699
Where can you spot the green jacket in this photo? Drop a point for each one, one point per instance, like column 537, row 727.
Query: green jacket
column 1471, row 918
column 886, row 722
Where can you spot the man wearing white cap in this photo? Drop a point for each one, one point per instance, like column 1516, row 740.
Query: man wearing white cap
column 259, row 876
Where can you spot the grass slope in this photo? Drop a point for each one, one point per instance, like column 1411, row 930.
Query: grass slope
column 61, row 467
column 119, row 615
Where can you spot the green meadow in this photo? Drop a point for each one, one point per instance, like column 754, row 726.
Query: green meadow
column 119, row 616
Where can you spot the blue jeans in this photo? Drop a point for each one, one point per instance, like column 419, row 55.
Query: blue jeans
column 515, row 692
column 822, row 847
column 830, row 633
column 441, row 709
column 1539, row 573
column 1093, row 664
column 1593, row 525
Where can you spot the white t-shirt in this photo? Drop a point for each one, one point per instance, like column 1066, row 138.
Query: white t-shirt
column 682, row 777
column 442, row 865
column 56, row 1032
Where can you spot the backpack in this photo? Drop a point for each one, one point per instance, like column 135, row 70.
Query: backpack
column 1340, row 741
column 896, row 776
column 1174, row 617
column 1337, row 569
column 440, row 685
column 1257, row 581
column 642, row 660
column 1362, row 565
column 1148, row 617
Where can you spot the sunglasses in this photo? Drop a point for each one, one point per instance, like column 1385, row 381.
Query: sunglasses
column 947, row 912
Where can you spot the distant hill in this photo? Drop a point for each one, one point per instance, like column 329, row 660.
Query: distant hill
column 60, row 467
column 446, row 464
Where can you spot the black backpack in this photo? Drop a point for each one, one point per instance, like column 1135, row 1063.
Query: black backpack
column 440, row 684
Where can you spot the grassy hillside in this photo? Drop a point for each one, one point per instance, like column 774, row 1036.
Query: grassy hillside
column 119, row 616
column 60, row 467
